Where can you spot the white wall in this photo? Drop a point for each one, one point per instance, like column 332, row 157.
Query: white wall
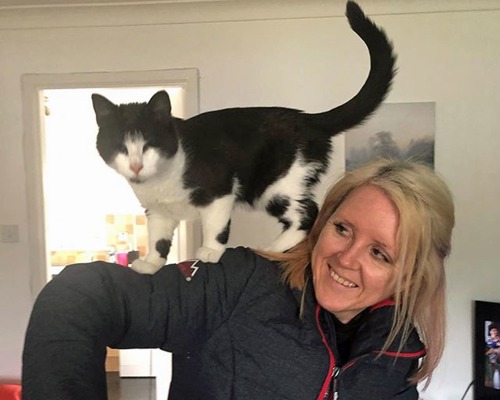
column 270, row 55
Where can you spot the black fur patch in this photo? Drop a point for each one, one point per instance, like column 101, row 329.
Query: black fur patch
column 310, row 213
column 277, row 206
column 223, row 237
column 163, row 247
column 286, row 223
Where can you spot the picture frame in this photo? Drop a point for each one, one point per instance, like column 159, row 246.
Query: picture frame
column 396, row 130
column 486, row 355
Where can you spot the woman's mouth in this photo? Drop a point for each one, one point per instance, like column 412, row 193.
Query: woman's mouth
column 344, row 282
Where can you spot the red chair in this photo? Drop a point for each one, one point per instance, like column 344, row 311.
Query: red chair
column 10, row 392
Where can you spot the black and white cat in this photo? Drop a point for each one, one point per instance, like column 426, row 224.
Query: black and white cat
column 267, row 157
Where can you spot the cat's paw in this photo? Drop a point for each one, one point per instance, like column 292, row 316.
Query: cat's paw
column 144, row 267
column 206, row 254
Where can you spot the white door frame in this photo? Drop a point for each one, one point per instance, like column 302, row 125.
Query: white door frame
column 33, row 146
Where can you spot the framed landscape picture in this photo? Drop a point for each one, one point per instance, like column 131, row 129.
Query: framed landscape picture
column 395, row 130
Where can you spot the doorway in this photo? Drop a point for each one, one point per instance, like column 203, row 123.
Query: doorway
column 75, row 199
column 91, row 211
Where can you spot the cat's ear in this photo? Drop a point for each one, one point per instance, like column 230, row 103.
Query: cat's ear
column 160, row 105
column 103, row 107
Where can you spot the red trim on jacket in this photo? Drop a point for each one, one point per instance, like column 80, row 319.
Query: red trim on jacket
column 415, row 354
column 383, row 303
column 329, row 377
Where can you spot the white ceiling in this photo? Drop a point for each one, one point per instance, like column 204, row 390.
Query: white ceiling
column 372, row 6
column 70, row 3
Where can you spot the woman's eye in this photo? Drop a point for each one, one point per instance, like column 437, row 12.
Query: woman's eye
column 380, row 255
column 340, row 228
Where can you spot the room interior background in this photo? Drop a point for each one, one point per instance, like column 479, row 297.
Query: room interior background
column 294, row 53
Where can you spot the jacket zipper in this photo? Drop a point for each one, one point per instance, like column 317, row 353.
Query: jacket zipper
column 334, row 393
column 328, row 390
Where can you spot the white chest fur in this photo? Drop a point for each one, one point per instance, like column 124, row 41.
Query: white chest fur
column 165, row 190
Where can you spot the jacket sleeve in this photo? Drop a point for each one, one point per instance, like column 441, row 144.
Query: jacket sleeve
column 90, row 306
column 372, row 374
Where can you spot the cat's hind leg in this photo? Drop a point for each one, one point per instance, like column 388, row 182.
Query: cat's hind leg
column 215, row 220
column 297, row 218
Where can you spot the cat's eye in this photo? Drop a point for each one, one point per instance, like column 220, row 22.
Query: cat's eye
column 123, row 149
column 145, row 147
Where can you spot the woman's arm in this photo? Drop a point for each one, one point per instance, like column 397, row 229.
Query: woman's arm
column 90, row 306
column 84, row 309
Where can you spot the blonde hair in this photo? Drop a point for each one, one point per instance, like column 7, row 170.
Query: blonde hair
column 426, row 220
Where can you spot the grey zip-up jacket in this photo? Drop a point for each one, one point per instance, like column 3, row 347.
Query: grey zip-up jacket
column 233, row 327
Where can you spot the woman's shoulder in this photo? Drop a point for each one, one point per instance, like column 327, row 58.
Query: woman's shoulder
column 246, row 257
column 244, row 260
column 375, row 329
column 238, row 267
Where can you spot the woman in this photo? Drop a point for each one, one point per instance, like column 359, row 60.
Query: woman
column 334, row 317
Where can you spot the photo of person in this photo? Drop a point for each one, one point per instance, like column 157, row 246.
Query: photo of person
column 492, row 338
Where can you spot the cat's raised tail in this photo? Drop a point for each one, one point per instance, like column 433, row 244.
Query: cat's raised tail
column 376, row 86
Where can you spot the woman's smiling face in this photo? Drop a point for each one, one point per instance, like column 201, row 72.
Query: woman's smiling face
column 353, row 261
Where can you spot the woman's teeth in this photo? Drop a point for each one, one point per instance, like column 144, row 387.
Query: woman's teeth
column 342, row 281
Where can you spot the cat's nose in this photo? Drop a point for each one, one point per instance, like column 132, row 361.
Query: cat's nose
column 136, row 168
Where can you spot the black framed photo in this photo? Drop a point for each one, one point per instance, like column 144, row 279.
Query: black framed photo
column 486, row 350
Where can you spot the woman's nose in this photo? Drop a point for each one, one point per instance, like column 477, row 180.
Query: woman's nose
column 348, row 257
